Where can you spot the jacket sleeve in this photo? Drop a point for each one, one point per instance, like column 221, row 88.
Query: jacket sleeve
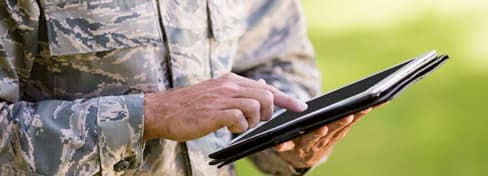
column 276, row 48
column 56, row 137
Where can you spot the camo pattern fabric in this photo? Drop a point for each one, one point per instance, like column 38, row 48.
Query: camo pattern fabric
column 73, row 74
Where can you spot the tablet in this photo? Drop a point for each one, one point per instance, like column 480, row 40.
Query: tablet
column 357, row 96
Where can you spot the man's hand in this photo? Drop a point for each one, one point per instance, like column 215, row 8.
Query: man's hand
column 308, row 150
column 230, row 101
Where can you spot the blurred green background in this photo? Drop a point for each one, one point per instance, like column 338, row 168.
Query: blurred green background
column 438, row 126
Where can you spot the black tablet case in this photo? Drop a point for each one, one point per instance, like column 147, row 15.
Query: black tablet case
column 261, row 142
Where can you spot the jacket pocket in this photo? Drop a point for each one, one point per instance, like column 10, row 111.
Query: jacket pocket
column 75, row 27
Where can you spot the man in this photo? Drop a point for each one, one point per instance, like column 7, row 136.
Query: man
column 145, row 87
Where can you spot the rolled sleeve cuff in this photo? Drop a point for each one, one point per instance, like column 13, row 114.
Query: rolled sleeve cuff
column 120, row 133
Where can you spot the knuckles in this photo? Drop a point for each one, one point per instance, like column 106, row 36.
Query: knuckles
column 239, row 124
column 227, row 88
column 268, row 96
column 268, row 105
column 229, row 77
column 236, row 116
column 253, row 104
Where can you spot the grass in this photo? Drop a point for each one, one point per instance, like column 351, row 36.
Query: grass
column 437, row 127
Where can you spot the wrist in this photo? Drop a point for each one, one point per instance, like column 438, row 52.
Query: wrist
column 149, row 132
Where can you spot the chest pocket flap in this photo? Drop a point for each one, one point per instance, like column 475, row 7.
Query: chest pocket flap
column 75, row 27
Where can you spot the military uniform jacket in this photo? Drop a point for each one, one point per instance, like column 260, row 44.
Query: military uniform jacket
column 73, row 74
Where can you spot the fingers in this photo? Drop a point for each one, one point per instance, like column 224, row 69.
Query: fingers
column 358, row 116
column 264, row 97
column 285, row 101
column 308, row 139
column 343, row 132
column 319, row 137
column 323, row 139
column 330, row 143
column 340, row 130
column 335, row 128
column 250, row 108
column 280, row 98
column 233, row 119
column 285, row 146
column 239, row 114
column 326, row 136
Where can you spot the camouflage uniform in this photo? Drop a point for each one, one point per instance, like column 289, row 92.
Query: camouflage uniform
column 73, row 74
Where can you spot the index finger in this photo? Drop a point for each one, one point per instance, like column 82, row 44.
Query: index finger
column 286, row 101
column 281, row 99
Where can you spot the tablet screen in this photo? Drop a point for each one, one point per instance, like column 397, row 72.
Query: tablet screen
column 325, row 100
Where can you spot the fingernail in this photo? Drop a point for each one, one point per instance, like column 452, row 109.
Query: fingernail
column 302, row 105
column 324, row 131
column 282, row 147
column 350, row 119
column 288, row 146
